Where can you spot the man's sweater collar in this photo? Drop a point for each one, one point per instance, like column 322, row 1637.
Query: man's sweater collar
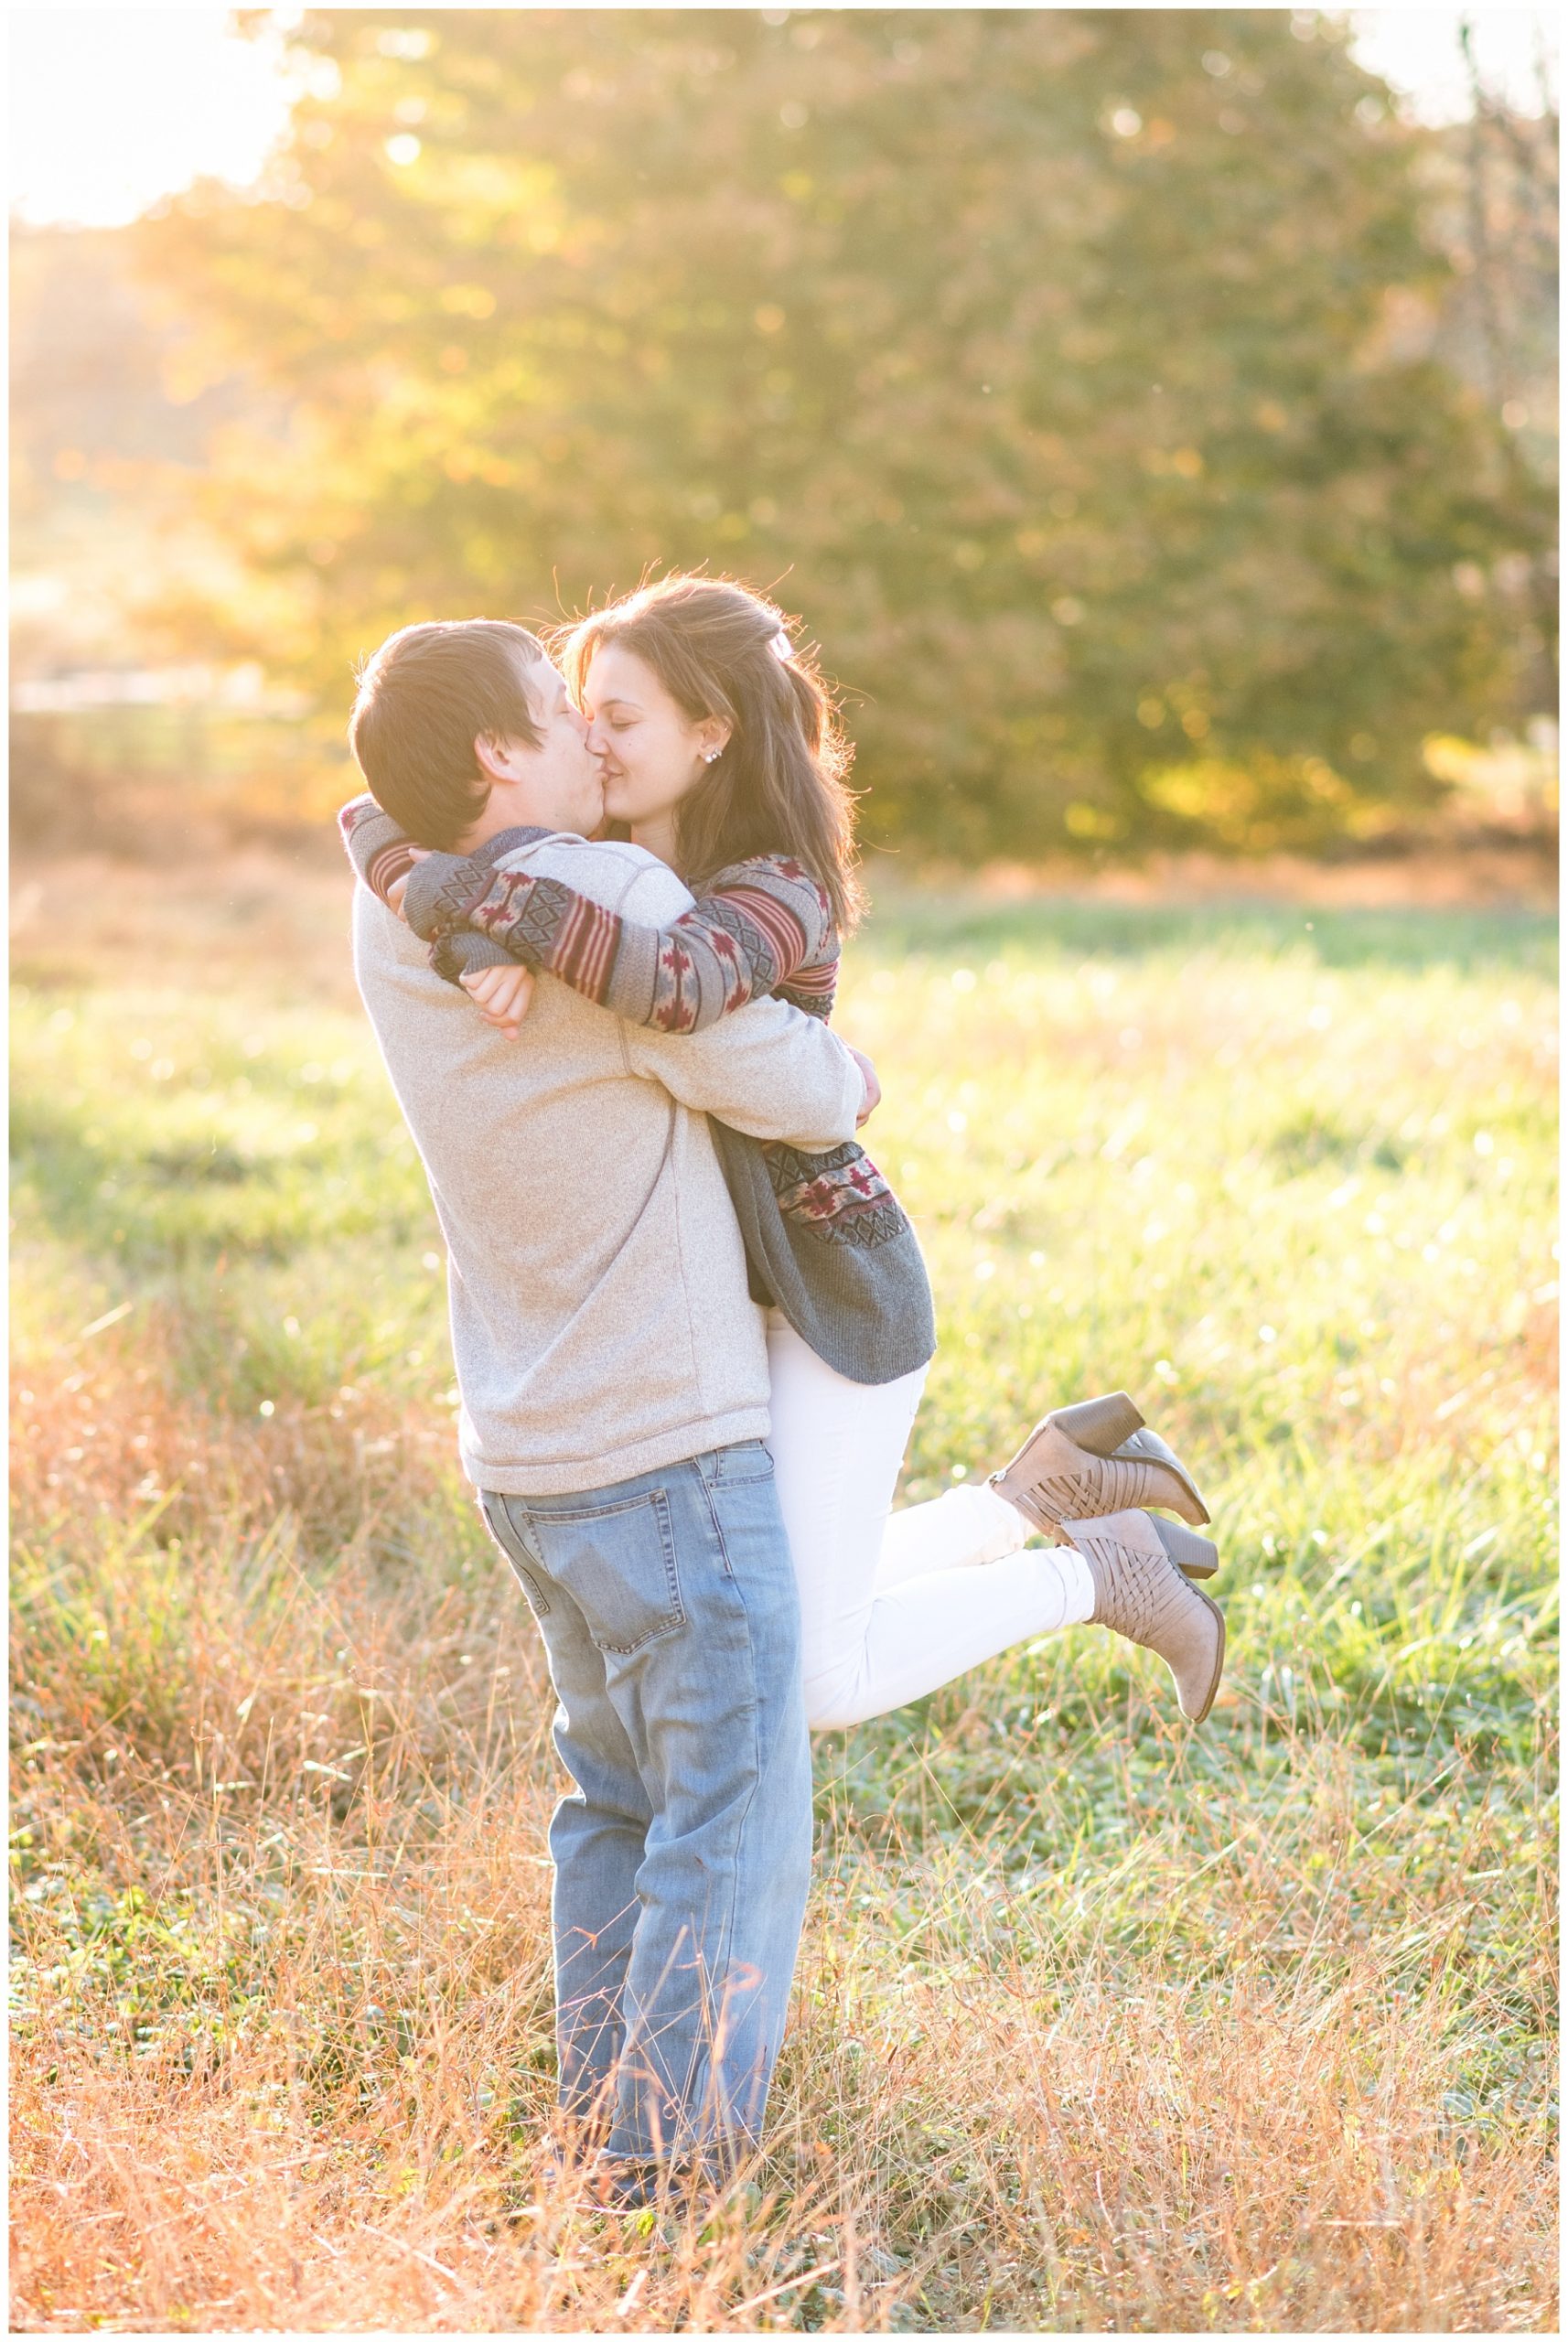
column 508, row 842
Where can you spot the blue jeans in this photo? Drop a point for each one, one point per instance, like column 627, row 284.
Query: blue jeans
column 669, row 1611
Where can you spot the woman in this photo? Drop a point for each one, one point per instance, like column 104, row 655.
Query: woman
column 721, row 753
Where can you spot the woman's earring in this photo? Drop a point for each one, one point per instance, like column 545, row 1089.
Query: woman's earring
column 711, row 755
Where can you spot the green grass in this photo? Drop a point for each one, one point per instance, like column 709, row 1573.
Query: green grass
column 1287, row 1175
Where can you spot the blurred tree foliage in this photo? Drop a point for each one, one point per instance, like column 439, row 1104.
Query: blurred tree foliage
column 110, row 423
column 1076, row 373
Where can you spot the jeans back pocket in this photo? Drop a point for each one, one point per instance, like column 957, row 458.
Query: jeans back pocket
column 617, row 1560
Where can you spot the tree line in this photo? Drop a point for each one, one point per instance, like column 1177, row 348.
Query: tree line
column 1102, row 387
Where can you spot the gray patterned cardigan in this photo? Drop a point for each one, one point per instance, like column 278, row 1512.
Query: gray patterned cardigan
column 827, row 1240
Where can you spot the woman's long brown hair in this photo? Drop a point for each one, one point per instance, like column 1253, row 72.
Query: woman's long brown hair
column 780, row 785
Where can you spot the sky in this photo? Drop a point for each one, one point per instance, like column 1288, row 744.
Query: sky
column 111, row 108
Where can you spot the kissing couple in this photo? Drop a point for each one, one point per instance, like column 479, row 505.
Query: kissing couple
column 690, row 1319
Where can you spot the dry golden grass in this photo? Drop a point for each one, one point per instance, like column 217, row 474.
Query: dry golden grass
column 1099, row 2023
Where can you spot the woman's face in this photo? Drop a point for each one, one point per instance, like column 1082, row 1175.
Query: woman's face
column 651, row 752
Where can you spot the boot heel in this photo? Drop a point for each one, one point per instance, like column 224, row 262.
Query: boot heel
column 1098, row 1425
column 1194, row 1556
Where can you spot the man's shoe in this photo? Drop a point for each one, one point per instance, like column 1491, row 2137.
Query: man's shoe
column 646, row 2183
column 631, row 2186
column 1095, row 1458
column 1140, row 1593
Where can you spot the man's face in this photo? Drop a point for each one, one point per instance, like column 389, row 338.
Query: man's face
column 550, row 783
column 563, row 776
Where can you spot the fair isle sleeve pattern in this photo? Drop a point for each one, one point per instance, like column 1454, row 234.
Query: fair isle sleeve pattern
column 813, row 989
column 379, row 850
column 382, row 854
column 841, row 1197
column 762, row 926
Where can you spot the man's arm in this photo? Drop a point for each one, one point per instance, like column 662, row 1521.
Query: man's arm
column 769, row 1070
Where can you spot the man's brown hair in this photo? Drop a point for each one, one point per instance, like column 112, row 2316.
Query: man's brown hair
column 424, row 698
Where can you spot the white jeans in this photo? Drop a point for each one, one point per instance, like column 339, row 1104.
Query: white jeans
column 893, row 1603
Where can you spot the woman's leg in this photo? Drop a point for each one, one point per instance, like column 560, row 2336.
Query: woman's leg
column 868, row 1643
column 959, row 1530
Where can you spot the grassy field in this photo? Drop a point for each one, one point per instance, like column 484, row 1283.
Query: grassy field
column 1100, row 2023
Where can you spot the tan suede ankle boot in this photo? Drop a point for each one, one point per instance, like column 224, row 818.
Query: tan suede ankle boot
column 1095, row 1458
column 1140, row 1593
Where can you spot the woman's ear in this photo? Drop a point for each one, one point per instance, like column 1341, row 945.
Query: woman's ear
column 713, row 738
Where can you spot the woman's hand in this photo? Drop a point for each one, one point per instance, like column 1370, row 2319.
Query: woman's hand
column 399, row 886
column 501, row 995
column 873, row 1087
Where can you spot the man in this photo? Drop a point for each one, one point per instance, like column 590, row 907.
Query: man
column 614, row 1387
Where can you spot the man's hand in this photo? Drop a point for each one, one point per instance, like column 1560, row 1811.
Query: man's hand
column 399, row 886
column 503, row 997
column 873, row 1087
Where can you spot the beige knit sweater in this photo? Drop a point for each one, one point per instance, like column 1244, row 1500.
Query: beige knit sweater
column 600, row 1319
